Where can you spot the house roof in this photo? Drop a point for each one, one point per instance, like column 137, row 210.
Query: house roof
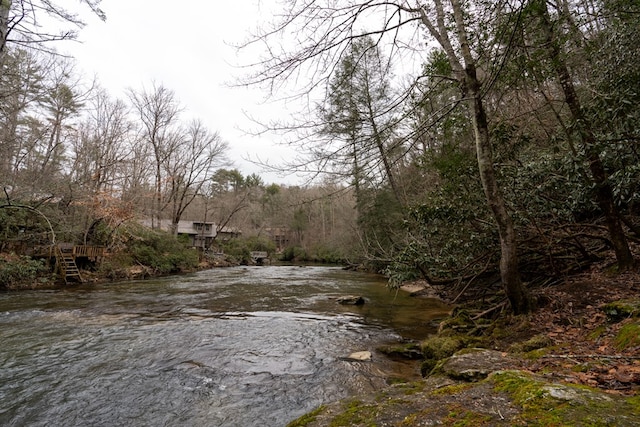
column 190, row 227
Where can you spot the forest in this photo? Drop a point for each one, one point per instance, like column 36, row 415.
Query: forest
column 507, row 156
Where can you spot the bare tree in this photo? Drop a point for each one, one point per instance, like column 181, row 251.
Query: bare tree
column 190, row 166
column 158, row 111
column 322, row 34
column 232, row 196
column 20, row 22
column 101, row 149
column 5, row 5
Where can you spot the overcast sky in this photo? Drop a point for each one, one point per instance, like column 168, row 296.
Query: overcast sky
column 183, row 45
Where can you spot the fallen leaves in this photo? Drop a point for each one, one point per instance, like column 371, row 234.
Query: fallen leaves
column 585, row 350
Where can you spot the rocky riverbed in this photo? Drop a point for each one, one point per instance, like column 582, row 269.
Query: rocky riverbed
column 473, row 388
column 575, row 361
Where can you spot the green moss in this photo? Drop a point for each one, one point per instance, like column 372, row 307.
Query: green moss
column 395, row 402
column 524, row 390
column 623, row 309
column 545, row 404
column 628, row 336
column 460, row 321
column 307, row 418
column 427, row 366
column 597, row 332
column 634, row 402
column 412, row 388
column 504, row 328
column 537, row 354
column 460, row 417
column 404, row 351
column 534, row 343
column 438, row 369
column 410, row 420
column 417, row 418
column 440, row 347
column 452, row 389
column 355, row 412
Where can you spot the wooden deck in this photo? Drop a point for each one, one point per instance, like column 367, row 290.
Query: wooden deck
column 76, row 251
column 259, row 257
column 65, row 256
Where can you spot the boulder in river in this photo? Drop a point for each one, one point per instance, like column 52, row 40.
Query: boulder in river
column 359, row 356
column 351, row 300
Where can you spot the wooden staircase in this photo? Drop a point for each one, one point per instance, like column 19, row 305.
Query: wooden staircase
column 67, row 265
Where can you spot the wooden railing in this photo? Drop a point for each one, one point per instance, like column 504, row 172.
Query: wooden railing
column 88, row 251
column 259, row 255
column 76, row 251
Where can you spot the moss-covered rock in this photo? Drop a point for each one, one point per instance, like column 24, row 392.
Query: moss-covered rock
column 534, row 343
column 438, row 347
column 307, row 418
column 354, row 412
column 409, row 351
column 505, row 398
column 474, row 364
column 459, row 322
column 628, row 336
column 545, row 404
column 427, row 366
column 623, row 309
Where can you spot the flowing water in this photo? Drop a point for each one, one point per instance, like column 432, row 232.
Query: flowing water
column 246, row 346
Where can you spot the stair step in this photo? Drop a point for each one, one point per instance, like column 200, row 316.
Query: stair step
column 68, row 267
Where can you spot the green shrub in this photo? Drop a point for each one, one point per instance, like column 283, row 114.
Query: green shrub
column 22, row 272
column 162, row 252
column 240, row 249
column 294, row 253
column 327, row 255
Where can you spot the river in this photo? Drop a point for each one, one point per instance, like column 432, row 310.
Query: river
column 245, row 346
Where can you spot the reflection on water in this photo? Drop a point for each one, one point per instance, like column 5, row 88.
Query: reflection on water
column 252, row 346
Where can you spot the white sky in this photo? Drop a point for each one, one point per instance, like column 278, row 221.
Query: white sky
column 183, row 45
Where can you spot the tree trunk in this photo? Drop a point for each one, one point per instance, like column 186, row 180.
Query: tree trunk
column 5, row 6
column 604, row 193
column 509, row 272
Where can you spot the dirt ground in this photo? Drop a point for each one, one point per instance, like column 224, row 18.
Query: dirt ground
column 584, row 346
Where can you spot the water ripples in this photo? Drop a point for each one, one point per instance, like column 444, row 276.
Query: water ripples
column 233, row 347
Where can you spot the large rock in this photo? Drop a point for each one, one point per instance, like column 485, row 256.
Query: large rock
column 475, row 364
column 359, row 356
column 351, row 300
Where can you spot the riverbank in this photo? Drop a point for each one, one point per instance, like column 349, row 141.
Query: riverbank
column 23, row 273
column 574, row 361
